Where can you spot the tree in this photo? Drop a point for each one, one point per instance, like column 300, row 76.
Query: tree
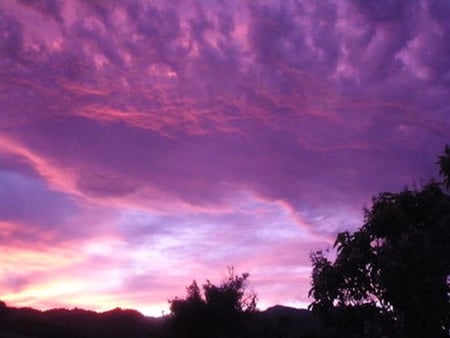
column 188, row 312
column 444, row 166
column 217, row 310
column 397, row 262
column 231, row 296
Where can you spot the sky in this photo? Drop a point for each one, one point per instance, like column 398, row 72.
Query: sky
column 144, row 144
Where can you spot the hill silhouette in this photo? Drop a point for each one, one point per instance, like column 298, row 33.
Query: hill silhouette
column 290, row 322
column 28, row 322
column 277, row 321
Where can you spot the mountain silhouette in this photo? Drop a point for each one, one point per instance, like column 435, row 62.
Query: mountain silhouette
column 277, row 321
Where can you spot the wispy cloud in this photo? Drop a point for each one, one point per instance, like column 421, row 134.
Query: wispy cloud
column 156, row 142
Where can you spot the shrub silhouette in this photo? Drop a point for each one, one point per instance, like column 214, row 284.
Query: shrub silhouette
column 218, row 310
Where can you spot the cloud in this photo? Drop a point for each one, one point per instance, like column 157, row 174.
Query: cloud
column 121, row 70
column 212, row 132
column 12, row 35
column 47, row 7
column 28, row 200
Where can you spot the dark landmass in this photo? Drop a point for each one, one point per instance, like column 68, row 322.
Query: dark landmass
column 277, row 321
column 28, row 322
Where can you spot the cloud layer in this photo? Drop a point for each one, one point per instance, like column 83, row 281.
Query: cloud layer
column 146, row 143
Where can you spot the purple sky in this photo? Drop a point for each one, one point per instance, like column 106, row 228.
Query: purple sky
column 147, row 143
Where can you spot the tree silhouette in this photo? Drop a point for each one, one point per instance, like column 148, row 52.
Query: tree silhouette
column 231, row 296
column 444, row 166
column 217, row 311
column 398, row 261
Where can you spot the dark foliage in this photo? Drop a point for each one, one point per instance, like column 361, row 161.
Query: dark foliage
column 397, row 264
column 444, row 166
column 217, row 310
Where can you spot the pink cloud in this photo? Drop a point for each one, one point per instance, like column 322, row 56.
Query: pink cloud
column 203, row 136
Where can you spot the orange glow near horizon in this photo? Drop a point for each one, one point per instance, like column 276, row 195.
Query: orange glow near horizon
column 145, row 144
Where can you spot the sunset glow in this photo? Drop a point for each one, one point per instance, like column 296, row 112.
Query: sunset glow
column 144, row 144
